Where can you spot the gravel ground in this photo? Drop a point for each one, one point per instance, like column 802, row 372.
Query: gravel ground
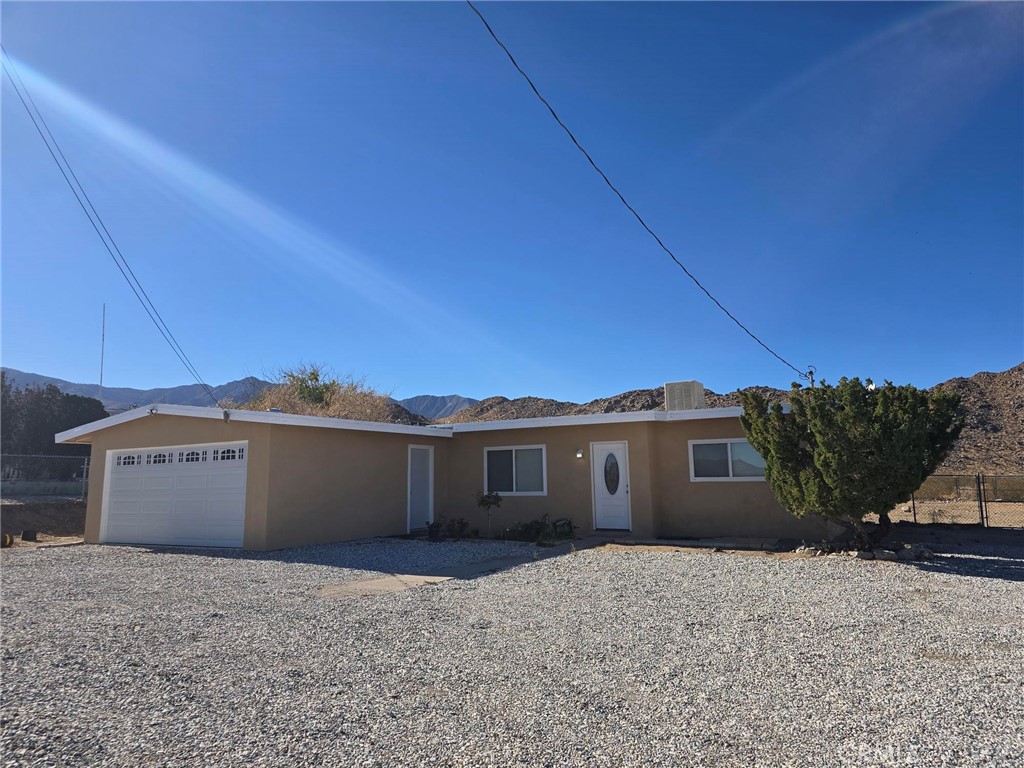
column 124, row 656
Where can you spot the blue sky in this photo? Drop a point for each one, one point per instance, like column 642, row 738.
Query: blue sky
column 374, row 187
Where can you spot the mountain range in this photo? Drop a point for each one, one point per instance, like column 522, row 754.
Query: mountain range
column 436, row 407
column 117, row 399
column 992, row 405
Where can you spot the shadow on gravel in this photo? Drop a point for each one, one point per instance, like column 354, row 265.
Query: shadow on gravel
column 457, row 559
column 950, row 537
column 1007, row 568
column 967, row 550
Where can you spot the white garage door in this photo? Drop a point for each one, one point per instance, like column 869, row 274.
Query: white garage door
column 183, row 495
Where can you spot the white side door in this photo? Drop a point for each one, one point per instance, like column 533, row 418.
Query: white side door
column 610, row 477
column 421, row 486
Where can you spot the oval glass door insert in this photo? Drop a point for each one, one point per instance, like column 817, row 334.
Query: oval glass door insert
column 611, row 474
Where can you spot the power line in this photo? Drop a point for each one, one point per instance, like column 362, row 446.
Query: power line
column 808, row 375
column 122, row 264
column 119, row 260
column 99, row 219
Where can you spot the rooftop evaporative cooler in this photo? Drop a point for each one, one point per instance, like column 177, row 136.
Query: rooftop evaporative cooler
column 684, row 395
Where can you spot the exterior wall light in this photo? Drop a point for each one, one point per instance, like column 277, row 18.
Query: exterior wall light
column 579, row 453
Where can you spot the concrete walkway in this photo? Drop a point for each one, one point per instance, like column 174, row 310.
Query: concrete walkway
column 741, row 543
column 395, row 582
column 399, row 582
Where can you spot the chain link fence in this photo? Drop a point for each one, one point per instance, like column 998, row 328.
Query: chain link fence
column 1003, row 497
column 995, row 501
column 28, row 477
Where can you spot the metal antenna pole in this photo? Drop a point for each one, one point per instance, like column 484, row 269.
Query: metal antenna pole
column 103, row 343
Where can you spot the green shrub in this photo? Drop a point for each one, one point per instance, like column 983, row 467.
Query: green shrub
column 851, row 450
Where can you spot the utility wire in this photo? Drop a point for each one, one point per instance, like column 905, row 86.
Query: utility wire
column 99, row 219
column 808, row 375
column 119, row 260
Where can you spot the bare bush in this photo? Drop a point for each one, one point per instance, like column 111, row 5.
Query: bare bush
column 313, row 389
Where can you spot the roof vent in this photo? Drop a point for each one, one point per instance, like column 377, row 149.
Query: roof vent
column 684, row 395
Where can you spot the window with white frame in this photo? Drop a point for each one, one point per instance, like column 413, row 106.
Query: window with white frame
column 520, row 469
column 718, row 460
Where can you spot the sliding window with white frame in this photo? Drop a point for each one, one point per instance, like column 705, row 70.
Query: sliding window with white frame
column 718, row 461
column 518, row 470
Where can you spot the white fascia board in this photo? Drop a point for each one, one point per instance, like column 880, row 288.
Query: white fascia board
column 72, row 435
column 324, row 422
column 441, row 430
column 555, row 421
column 599, row 418
column 732, row 412
column 259, row 417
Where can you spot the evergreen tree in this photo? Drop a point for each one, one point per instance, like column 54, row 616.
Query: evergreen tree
column 30, row 417
column 851, row 450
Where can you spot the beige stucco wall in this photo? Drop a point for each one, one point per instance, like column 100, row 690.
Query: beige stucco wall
column 304, row 485
column 664, row 502
column 162, row 431
column 330, row 485
column 686, row 509
column 569, row 479
column 311, row 485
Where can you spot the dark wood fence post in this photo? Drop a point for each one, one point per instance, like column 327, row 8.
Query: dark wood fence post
column 913, row 507
column 981, row 499
column 85, row 478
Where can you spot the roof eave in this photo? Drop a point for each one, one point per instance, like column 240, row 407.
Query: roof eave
column 78, row 434
column 600, row 418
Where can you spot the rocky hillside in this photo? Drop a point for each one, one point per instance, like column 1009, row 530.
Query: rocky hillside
column 992, row 404
column 500, row 408
column 993, row 436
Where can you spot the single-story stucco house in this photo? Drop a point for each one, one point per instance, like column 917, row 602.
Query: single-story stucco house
column 190, row 476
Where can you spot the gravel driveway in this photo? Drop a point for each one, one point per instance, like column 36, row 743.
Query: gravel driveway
column 124, row 656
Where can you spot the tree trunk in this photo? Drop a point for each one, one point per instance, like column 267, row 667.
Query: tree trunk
column 884, row 526
column 864, row 538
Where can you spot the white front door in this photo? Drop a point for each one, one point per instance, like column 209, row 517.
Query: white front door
column 183, row 495
column 610, row 473
column 421, row 486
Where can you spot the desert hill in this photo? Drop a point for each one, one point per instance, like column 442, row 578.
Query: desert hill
column 993, row 436
column 992, row 404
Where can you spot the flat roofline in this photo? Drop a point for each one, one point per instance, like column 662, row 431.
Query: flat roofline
column 77, row 434
column 597, row 418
